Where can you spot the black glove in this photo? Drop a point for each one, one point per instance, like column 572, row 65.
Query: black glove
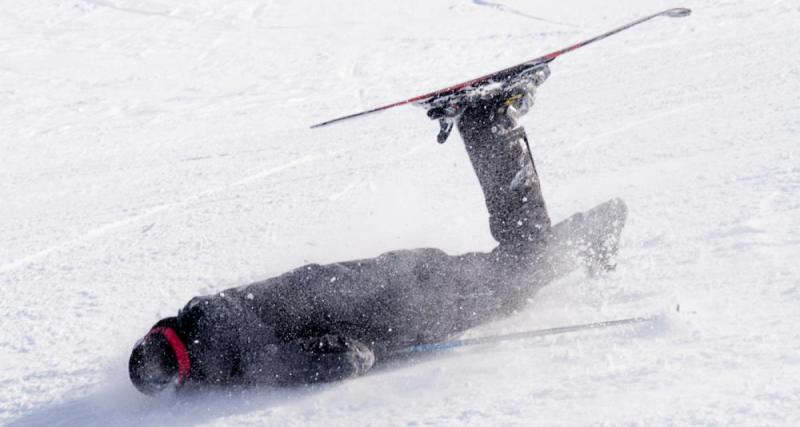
column 332, row 358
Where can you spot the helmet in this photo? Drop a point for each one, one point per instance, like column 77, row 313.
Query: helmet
column 157, row 361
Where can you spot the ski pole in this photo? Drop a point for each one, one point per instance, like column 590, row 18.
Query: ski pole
column 434, row 347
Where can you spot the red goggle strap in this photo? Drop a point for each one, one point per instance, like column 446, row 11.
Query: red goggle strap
column 184, row 364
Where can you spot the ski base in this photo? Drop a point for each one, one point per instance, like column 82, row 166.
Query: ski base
column 439, row 98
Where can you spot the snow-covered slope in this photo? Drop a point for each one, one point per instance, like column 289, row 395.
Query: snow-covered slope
column 155, row 150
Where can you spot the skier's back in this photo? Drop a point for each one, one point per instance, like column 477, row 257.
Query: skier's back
column 329, row 322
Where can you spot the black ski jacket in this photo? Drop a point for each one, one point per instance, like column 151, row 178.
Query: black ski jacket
column 327, row 322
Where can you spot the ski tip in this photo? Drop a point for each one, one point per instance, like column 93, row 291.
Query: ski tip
column 323, row 124
column 679, row 12
column 326, row 123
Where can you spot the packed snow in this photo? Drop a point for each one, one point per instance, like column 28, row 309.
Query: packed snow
column 156, row 150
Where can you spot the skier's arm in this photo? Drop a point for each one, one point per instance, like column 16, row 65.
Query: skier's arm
column 322, row 359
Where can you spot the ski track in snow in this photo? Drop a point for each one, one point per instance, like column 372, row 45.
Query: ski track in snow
column 153, row 152
column 102, row 230
column 110, row 5
column 504, row 8
column 595, row 138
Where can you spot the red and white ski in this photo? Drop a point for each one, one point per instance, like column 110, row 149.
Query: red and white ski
column 443, row 96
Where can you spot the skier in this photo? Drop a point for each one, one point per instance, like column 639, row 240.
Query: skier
column 322, row 323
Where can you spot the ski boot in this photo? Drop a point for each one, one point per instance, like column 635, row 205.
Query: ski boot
column 604, row 224
column 512, row 96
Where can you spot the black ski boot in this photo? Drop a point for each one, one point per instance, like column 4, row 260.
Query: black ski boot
column 512, row 97
column 602, row 242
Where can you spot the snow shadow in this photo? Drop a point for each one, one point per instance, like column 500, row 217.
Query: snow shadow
column 117, row 403
column 122, row 406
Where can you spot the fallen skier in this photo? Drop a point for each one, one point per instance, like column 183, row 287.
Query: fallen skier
column 331, row 322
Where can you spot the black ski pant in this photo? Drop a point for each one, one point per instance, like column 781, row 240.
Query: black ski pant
column 531, row 252
column 518, row 218
column 408, row 297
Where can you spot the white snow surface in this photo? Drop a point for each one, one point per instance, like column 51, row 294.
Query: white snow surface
column 155, row 150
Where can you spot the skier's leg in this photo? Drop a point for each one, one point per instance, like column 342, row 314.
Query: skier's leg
column 532, row 253
column 588, row 238
column 500, row 156
column 487, row 285
column 497, row 284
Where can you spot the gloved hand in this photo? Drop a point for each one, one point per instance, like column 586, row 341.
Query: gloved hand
column 335, row 357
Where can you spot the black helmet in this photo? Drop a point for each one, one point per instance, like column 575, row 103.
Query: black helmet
column 154, row 362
